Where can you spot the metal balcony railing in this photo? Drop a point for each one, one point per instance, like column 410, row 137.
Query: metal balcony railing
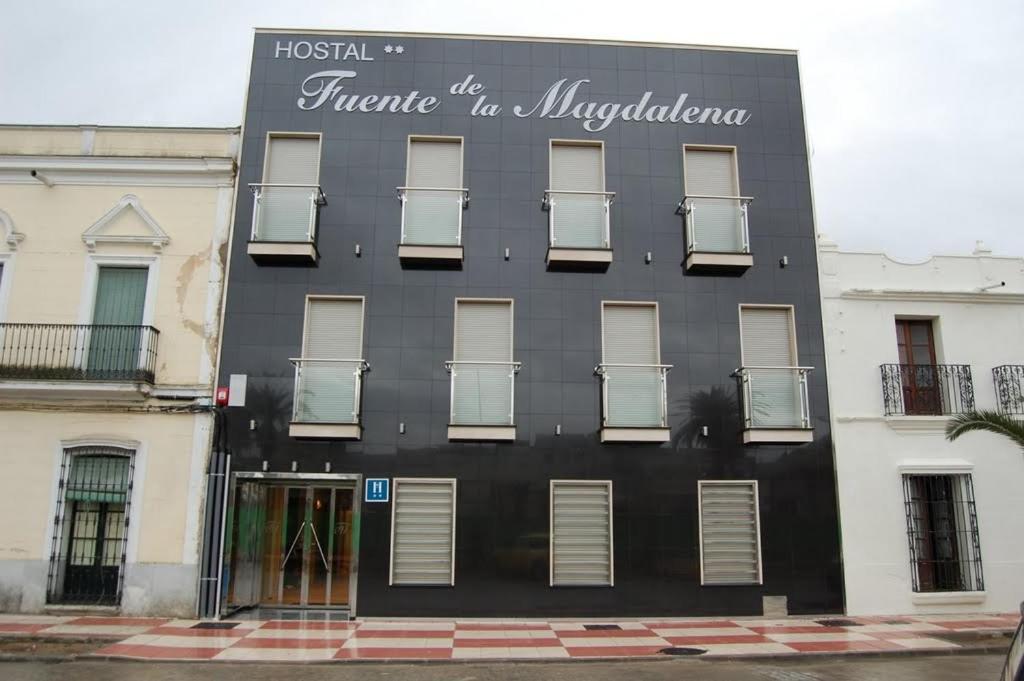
column 482, row 393
column 634, row 395
column 716, row 224
column 78, row 352
column 432, row 216
column 927, row 389
column 328, row 390
column 774, row 396
column 285, row 213
column 578, row 219
column 1009, row 383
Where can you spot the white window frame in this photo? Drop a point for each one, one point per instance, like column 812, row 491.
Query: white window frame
column 757, row 527
column 551, row 528
column 792, row 327
column 283, row 134
column 394, row 505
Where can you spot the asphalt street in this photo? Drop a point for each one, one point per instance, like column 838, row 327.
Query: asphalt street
column 980, row 667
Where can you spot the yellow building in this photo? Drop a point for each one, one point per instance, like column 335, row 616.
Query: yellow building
column 112, row 246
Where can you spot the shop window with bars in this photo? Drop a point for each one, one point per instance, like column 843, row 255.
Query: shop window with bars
column 423, row 532
column 91, row 526
column 942, row 532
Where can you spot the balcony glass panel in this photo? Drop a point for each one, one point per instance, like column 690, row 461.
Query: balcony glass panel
column 431, row 217
column 634, row 396
column 578, row 220
column 327, row 391
column 482, row 393
column 285, row 214
column 717, row 224
column 774, row 397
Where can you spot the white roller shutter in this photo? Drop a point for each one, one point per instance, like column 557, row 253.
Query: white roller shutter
column 423, row 532
column 482, row 393
column 432, row 217
column 577, row 167
column 334, row 329
column 633, row 394
column 328, row 390
column 581, row 533
column 716, row 221
column 730, row 533
column 579, row 218
column 292, row 160
column 435, row 163
column 767, row 334
column 287, row 212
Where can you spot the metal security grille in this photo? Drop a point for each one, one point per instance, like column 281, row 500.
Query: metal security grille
column 581, row 533
column 423, row 532
column 90, row 526
column 942, row 532
column 730, row 545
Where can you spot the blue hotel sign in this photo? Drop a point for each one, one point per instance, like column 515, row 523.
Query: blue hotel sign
column 378, row 489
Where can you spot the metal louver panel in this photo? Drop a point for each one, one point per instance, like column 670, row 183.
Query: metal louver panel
column 581, row 533
column 285, row 212
column 328, row 390
column 578, row 218
column 482, row 390
column 423, row 532
column 432, row 217
column 716, row 221
column 767, row 335
column 730, row 551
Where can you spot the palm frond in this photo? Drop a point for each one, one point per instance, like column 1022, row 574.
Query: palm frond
column 988, row 421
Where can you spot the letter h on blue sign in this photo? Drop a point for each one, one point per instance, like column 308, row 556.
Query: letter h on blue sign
column 377, row 489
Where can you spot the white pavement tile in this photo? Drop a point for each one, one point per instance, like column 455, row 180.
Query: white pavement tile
column 301, row 633
column 916, row 626
column 277, row 654
column 96, row 629
column 15, row 618
column 813, row 638
column 407, row 626
column 140, row 640
column 507, row 633
column 609, row 641
column 194, row 641
column 793, row 622
column 747, row 649
column 722, row 631
column 926, row 643
column 354, row 643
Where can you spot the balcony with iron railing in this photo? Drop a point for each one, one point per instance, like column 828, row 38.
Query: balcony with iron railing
column 284, row 222
column 482, row 400
column 432, row 223
column 775, row 406
column 1009, row 384
column 717, row 232
column 327, row 398
column 927, row 389
column 58, row 359
column 579, row 227
column 634, row 404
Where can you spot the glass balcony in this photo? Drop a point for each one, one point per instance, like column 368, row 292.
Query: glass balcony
column 927, row 389
column 634, row 404
column 482, row 399
column 717, row 233
column 327, row 397
column 284, row 221
column 579, row 226
column 775, row 403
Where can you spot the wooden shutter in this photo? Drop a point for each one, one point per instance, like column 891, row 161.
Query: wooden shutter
column 730, row 546
column 712, row 172
column 292, row 160
column 423, row 532
column 435, row 163
column 581, row 533
column 334, row 329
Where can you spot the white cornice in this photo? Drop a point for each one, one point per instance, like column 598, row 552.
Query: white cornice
column 910, row 295
column 119, row 170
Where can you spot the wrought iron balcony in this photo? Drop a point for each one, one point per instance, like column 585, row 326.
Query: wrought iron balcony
column 579, row 225
column 927, row 389
column 284, row 220
column 775, row 404
column 78, row 352
column 327, row 398
column 1009, row 383
column 717, row 231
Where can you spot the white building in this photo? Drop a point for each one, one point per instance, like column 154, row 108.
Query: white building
column 927, row 525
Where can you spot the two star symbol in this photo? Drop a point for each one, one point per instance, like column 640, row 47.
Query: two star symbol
column 397, row 49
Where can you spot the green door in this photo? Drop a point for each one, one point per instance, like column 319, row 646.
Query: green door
column 115, row 341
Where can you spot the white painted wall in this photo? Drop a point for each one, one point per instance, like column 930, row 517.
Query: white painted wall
column 863, row 293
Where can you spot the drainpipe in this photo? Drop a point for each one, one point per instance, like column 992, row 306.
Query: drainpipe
column 211, row 560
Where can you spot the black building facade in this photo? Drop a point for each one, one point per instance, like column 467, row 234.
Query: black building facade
column 560, row 297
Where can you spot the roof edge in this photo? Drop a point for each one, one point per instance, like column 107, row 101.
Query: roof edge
column 519, row 38
column 124, row 128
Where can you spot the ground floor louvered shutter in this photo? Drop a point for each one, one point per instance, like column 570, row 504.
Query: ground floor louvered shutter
column 423, row 532
column 730, row 533
column 581, row 533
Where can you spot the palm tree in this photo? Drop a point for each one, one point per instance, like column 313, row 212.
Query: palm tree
column 990, row 421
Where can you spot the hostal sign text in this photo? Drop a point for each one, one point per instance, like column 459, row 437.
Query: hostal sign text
column 330, row 87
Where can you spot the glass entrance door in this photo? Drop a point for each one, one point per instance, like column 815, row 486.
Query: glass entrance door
column 301, row 552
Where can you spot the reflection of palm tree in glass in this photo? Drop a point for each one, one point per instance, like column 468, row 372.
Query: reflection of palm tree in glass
column 269, row 408
column 719, row 411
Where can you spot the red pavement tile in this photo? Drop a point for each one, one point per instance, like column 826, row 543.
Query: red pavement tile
column 118, row 621
column 18, row 628
column 698, row 640
column 400, row 633
column 197, row 633
column 715, row 624
column 614, row 651
column 394, row 653
column 605, row 633
column 841, row 646
column 158, row 652
column 290, row 643
column 507, row 643
column 306, row 624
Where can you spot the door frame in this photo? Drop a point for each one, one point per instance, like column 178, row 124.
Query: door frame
column 352, row 481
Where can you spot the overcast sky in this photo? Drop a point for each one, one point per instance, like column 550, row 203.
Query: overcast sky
column 915, row 108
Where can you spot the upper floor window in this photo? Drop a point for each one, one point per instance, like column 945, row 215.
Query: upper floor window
column 433, row 199
column 328, row 375
column 772, row 387
column 715, row 213
column 579, row 224
column 287, row 201
column 918, row 385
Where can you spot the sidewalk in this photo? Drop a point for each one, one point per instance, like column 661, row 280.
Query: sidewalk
column 309, row 641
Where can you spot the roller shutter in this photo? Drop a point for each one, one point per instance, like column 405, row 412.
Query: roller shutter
column 285, row 212
column 328, row 389
column 482, row 393
column 423, row 532
column 581, row 533
column 767, row 334
column 633, row 394
column 716, row 221
column 730, row 551
column 579, row 218
column 432, row 217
